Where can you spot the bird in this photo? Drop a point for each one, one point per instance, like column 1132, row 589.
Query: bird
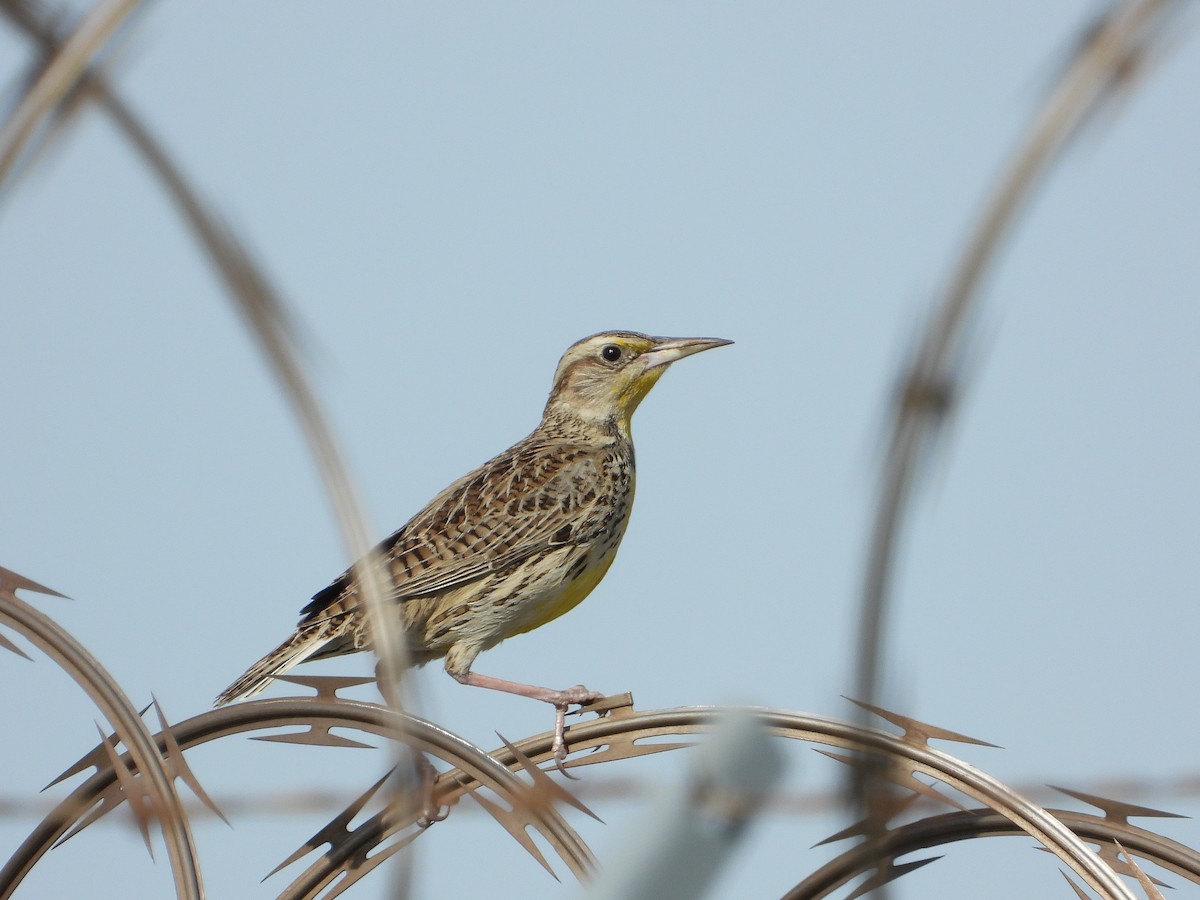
column 512, row 545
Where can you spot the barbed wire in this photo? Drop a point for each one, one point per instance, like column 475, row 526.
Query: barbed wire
column 1108, row 55
column 1178, row 790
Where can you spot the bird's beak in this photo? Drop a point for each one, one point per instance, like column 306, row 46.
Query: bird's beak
column 667, row 350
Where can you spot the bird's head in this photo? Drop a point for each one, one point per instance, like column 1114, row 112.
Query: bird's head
column 604, row 377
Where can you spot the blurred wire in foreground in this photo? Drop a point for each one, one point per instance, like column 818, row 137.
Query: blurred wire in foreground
column 63, row 69
column 1109, row 53
column 680, row 846
column 260, row 305
column 262, row 308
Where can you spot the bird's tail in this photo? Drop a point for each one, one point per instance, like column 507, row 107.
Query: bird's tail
column 308, row 641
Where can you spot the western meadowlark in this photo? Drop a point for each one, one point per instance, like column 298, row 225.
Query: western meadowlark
column 516, row 543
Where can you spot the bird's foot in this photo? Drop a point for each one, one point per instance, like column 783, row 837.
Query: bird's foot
column 580, row 696
column 560, row 700
column 431, row 811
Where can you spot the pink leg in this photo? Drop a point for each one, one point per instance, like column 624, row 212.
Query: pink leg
column 560, row 700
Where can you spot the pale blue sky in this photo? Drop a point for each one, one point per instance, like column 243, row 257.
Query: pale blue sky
column 449, row 195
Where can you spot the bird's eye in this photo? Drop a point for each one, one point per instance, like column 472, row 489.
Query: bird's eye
column 610, row 353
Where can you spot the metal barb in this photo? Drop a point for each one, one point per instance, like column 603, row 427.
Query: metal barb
column 144, row 757
column 615, row 707
column 617, row 704
column 544, row 790
column 1108, row 851
column 88, row 813
column 98, row 758
column 93, row 759
column 602, row 706
column 336, row 831
column 945, row 828
column 887, row 872
column 625, row 746
column 363, row 866
column 6, row 644
column 516, row 826
column 139, row 803
column 896, row 771
column 10, row 582
column 1079, row 892
column 326, row 686
column 177, row 766
column 885, row 810
column 316, row 736
column 917, row 732
column 1117, row 810
column 1149, row 885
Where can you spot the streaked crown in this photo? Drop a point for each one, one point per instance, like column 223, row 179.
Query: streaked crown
column 605, row 376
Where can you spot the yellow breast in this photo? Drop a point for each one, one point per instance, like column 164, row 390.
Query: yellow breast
column 573, row 592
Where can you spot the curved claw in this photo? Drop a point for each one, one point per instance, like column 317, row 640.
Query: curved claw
column 428, row 817
column 559, row 747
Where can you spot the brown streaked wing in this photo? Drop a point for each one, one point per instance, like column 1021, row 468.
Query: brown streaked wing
column 509, row 509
